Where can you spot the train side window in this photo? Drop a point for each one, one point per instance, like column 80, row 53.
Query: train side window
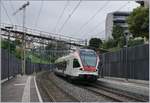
column 62, row 65
column 76, row 63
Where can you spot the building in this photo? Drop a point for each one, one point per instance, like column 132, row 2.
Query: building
column 116, row 18
column 144, row 3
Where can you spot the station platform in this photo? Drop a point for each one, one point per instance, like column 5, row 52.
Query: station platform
column 139, row 87
column 20, row 89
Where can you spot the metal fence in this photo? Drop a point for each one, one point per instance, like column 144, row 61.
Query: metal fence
column 11, row 66
column 130, row 63
column 36, row 67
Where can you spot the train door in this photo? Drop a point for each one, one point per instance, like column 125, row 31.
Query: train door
column 69, row 67
column 64, row 66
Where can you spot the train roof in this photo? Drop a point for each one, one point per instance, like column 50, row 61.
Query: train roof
column 64, row 58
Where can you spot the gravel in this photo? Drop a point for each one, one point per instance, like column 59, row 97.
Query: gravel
column 80, row 94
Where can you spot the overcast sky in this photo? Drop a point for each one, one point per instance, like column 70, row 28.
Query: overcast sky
column 44, row 15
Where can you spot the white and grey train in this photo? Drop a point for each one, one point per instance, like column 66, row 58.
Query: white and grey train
column 81, row 64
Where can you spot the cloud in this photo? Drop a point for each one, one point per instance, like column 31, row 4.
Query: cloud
column 51, row 11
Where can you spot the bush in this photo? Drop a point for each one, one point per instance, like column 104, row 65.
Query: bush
column 5, row 45
column 109, row 44
column 133, row 42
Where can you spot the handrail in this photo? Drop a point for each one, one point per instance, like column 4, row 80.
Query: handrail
column 45, row 34
column 38, row 31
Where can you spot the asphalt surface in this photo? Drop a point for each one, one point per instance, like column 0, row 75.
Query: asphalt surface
column 19, row 89
column 133, row 87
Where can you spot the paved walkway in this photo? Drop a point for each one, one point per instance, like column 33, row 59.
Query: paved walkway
column 20, row 89
column 133, row 86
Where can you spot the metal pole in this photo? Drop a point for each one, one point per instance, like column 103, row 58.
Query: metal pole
column 8, row 52
column 40, row 51
column 8, row 28
column 126, row 54
column 23, row 7
column 24, row 44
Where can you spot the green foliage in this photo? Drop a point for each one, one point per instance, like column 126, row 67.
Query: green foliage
column 5, row 45
column 109, row 44
column 35, row 58
column 95, row 43
column 117, row 31
column 17, row 42
column 118, row 35
column 134, row 42
column 138, row 25
column 121, row 41
column 60, row 47
column 18, row 53
column 139, row 22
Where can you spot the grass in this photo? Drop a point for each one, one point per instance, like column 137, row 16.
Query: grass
column 36, row 59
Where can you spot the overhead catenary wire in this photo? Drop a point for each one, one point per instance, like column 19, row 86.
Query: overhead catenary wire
column 93, row 16
column 12, row 7
column 70, row 15
column 39, row 13
column 96, row 26
column 123, row 6
column 114, row 11
column 6, row 13
column 61, row 15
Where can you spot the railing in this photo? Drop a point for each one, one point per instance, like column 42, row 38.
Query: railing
column 58, row 37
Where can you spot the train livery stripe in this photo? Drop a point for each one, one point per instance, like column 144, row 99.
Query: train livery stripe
column 89, row 68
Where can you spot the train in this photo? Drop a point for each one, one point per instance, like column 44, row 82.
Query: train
column 81, row 64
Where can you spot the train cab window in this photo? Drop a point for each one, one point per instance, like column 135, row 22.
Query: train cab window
column 76, row 63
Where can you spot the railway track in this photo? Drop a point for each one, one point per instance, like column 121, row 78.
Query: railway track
column 109, row 94
column 54, row 93
column 116, row 95
column 51, row 98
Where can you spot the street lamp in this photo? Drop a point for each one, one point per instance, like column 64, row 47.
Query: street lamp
column 23, row 8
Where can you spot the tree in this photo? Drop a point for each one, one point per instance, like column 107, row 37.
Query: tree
column 95, row 43
column 56, row 50
column 117, row 32
column 139, row 22
column 135, row 41
column 118, row 36
column 6, row 44
column 109, row 44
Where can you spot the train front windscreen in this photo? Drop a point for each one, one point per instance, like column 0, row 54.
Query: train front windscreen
column 88, row 58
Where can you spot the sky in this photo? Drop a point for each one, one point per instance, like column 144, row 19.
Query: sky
column 87, row 18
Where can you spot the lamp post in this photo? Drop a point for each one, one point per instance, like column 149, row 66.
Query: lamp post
column 23, row 7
